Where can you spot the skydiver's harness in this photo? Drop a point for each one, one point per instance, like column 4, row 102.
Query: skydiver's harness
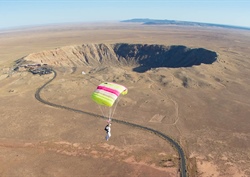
column 106, row 128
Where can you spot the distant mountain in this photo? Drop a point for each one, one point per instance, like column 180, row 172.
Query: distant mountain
column 147, row 21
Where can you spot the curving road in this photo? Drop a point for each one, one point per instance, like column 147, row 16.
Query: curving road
column 183, row 170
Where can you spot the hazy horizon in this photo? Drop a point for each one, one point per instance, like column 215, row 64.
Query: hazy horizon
column 36, row 13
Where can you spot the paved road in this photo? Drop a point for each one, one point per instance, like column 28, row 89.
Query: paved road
column 183, row 171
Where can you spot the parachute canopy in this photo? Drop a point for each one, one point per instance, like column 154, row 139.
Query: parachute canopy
column 107, row 93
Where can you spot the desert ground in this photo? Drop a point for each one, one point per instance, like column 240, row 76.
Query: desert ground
column 205, row 108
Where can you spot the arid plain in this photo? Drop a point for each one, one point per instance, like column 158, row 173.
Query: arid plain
column 205, row 108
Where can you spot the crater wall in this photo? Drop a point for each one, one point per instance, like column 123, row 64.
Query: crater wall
column 141, row 57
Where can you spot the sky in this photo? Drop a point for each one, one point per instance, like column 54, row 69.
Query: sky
column 19, row 13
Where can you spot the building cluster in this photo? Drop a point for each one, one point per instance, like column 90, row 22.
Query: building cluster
column 34, row 68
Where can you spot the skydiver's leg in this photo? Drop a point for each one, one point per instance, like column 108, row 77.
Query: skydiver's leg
column 108, row 136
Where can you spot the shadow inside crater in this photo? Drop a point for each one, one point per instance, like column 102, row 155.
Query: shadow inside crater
column 147, row 56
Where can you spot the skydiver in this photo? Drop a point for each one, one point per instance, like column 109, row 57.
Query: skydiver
column 108, row 131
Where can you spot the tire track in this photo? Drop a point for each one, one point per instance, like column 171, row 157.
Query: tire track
column 183, row 170
column 176, row 105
